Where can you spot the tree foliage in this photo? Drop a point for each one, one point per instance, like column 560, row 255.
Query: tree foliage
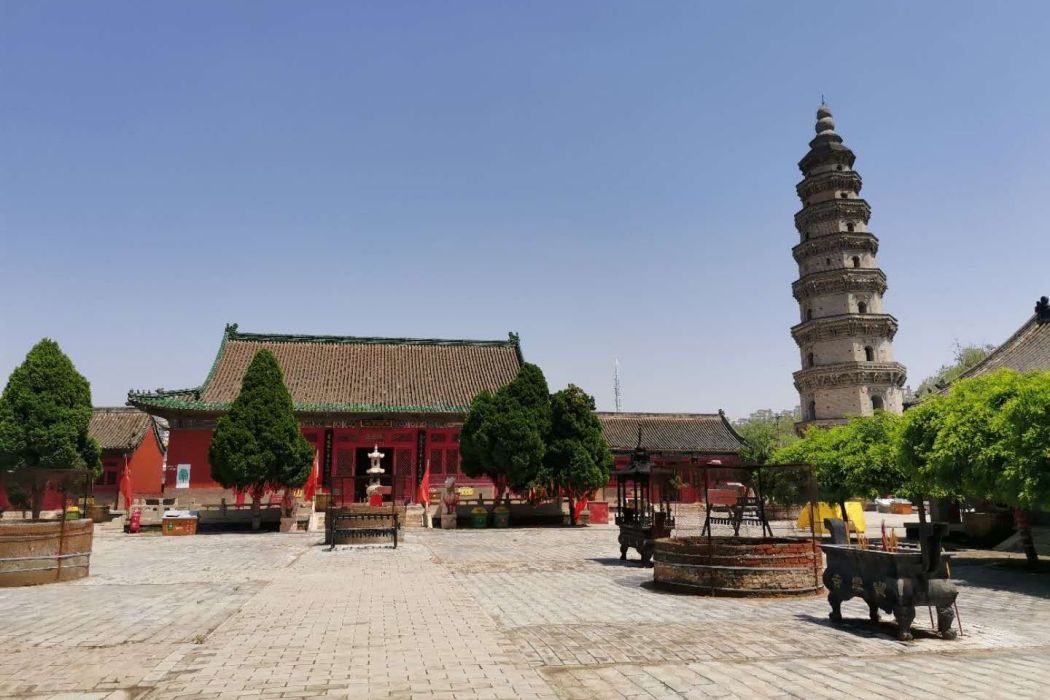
column 257, row 444
column 987, row 439
column 762, row 438
column 919, row 429
column 578, row 459
column 504, row 434
column 45, row 411
column 965, row 357
column 476, row 438
column 857, row 458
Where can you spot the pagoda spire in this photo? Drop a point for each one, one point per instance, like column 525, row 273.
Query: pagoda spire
column 844, row 336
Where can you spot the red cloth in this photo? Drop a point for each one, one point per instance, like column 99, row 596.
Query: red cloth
column 311, row 484
column 424, row 486
column 580, row 504
column 239, row 495
column 125, row 486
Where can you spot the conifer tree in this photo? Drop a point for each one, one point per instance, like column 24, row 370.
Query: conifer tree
column 503, row 436
column 45, row 411
column 578, row 459
column 258, row 444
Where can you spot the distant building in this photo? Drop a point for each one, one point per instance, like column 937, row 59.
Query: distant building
column 407, row 396
column 129, row 437
column 673, row 439
column 844, row 336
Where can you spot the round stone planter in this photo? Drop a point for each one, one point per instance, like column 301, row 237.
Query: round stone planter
column 32, row 553
column 737, row 566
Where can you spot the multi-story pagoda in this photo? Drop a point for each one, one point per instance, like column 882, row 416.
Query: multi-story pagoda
column 844, row 337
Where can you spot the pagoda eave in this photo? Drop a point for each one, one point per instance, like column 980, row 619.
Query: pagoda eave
column 844, row 326
column 881, row 374
column 871, row 280
column 863, row 242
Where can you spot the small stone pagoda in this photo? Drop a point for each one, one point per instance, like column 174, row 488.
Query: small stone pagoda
column 844, row 336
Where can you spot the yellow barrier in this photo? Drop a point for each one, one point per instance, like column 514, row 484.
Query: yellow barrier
column 854, row 511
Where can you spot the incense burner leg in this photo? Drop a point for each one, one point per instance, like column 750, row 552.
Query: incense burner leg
column 646, row 550
column 836, row 607
column 945, row 618
column 904, row 615
column 624, row 546
column 873, row 611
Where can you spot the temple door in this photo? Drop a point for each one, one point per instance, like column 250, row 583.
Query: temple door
column 343, row 481
column 404, row 475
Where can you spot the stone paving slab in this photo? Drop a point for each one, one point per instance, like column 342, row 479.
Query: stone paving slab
column 592, row 623
column 991, row 674
column 539, row 613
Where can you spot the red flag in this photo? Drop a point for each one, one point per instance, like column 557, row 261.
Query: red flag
column 239, row 495
column 424, row 487
column 311, row 484
column 125, row 485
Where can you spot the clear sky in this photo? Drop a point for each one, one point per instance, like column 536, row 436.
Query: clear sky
column 610, row 180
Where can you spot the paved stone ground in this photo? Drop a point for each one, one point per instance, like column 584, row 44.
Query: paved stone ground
column 539, row 613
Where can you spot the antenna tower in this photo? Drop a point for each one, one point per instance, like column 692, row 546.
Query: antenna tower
column 616, row 386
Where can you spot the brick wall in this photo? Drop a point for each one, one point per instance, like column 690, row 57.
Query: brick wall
column 737, row 566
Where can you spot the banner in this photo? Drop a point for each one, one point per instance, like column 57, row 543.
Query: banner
column 182, row 476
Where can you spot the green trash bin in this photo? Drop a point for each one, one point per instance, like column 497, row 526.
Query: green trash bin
column 479, row 517
column 501, row 517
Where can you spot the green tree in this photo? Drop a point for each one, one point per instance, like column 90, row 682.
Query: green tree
column 858, row 458
column 476, row 439
column 965, row 357
column 258, row 444
column 988, row 439
column 919, row 429
column 762, row 439
column 578, row 459
column 503, row 436
column 45, row 410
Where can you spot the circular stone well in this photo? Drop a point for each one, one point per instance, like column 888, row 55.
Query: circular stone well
column 737, row 566
column 35, row 552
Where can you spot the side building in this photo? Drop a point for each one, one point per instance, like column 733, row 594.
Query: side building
column 128, row 437
column 1027, row 350
column 673, row 439
column 407, row 396
column 845, row 337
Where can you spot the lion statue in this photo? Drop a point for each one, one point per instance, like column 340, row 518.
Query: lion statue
column 450, row 497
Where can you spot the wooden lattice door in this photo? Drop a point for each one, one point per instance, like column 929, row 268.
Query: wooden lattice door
column 404, row 476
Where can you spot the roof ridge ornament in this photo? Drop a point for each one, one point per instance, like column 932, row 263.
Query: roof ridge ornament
column 1042, row 310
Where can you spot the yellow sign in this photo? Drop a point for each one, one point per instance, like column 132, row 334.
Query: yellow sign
column 465, row 491
column 854, row 510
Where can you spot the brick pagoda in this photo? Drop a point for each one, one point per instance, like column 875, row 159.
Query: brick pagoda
column 844, row 337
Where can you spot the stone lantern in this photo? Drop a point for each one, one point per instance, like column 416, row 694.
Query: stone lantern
column 375, row 495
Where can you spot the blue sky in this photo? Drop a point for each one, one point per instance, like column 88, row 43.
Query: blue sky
column 610, row 180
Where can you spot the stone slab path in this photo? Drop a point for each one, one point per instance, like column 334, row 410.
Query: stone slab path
column 537, row 613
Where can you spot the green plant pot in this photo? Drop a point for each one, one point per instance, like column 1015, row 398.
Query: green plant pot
column 501, row 517
column 479, row 517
